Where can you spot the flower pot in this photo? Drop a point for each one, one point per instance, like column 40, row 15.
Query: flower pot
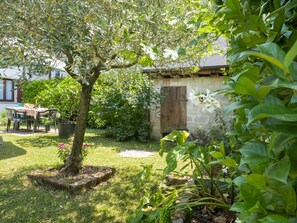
column 66, row 129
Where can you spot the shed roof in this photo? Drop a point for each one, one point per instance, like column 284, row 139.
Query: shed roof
column 167, row 72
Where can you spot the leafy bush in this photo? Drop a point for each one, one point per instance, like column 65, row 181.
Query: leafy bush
column 121, row 104
column 64, row 151
column 263, row 56
column 31, row 89
column 64, row 96
column 3, row 118
column 208, row 185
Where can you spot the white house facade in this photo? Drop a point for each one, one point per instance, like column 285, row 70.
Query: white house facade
column 10, row 92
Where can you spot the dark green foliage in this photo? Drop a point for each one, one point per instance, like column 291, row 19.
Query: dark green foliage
column 263, row 49
column 121, row 104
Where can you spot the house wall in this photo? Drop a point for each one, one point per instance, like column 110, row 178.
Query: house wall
column 15, row 74
column 10, row 73
column 197, row 115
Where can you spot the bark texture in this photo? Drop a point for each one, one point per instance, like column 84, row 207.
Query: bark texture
column 73, row 163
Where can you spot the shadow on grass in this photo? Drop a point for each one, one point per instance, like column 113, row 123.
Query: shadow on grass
column 120, row 193
column 9, row 150
column 40, row 141
column 22, row 201
column 32, row 203
column 96, row 139
column 151, row 146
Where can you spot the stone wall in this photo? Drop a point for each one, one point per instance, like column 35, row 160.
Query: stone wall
column 197, row 115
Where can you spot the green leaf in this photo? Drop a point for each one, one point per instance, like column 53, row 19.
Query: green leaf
column 177, row 136
column 216, row 154
column 279, row 21
column 228, row 162
column 254, row 153
column 239, row 207
column 291, row 152
column 273, row 54
column 250, row 71
column 288, row 195
column 262, row 91
column 290, row 56
column 250, row 194
column 239, row 180
column 281, row 126
column 270, row 59
column 146, row 61
column 182, row 51
column 292, row 85
column 222, row 148
column 280, row 170
column 257, row 180
column 171, row 160
column 128, row 55
column 236, row 105
column 233, row 4
column 274, row 218
column 276, row 111
column 245, row 86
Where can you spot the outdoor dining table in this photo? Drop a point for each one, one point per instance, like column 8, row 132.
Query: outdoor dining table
column 34, row 113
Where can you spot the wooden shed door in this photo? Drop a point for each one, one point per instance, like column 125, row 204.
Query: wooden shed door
column 173, row 109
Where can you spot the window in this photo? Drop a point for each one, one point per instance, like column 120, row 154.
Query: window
column 57, row 74
column 6, row 90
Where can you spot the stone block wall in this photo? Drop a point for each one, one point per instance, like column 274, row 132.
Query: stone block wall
column 197, row 115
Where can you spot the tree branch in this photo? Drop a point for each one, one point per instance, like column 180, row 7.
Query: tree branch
column 118, row 66
column 68, row 66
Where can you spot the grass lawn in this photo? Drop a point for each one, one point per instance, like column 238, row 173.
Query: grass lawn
column 112, row 201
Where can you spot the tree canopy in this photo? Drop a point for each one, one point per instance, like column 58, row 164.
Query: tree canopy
column 87, row 37
column 101, row 35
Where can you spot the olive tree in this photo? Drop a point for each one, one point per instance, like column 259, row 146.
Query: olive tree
column 89, row 37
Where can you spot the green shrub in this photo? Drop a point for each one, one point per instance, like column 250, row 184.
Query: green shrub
column 64, row 96
column 207, row 187
column 121, row 104
column 263, row 49
column 31, row 89
column 3, row 118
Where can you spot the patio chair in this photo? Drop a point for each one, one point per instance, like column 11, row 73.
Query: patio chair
column 17, row 117
column 50, row 114
column 9, row 115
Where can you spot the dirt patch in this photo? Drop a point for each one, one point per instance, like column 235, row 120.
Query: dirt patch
column 89, row 176
column 202, row 214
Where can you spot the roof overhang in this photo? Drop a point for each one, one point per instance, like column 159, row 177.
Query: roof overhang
column 167, row 72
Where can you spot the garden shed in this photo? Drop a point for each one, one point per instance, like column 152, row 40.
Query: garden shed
column 177, row 110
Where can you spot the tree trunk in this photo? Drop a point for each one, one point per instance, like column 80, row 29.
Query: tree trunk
column 73, row 163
